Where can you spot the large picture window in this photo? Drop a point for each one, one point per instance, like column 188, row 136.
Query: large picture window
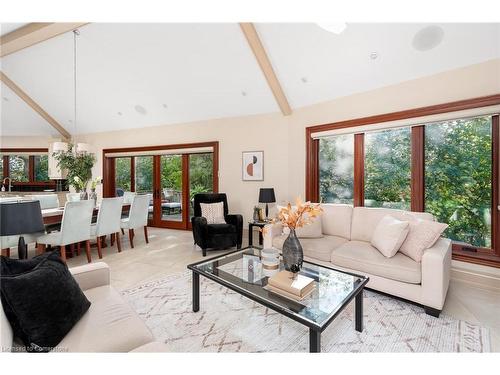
column 336, row 169
column 458, row 177
column 387, row 169
column 449, row 169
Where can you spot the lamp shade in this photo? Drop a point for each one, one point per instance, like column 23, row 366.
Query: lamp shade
column 59, row 147
column 266, row 195
column 20, row 218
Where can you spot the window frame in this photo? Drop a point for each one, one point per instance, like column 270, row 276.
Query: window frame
column 31, row 166
column 490, row 257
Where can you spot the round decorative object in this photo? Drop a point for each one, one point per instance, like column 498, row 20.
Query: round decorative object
column 93, row 195
column 84, row 195
column 293, row 256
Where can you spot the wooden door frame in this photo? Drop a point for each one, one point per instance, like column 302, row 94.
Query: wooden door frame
column 109, row 178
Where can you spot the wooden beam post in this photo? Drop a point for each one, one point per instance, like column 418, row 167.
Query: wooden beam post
column 20, row 92
column 32, row 34
column 265, row 65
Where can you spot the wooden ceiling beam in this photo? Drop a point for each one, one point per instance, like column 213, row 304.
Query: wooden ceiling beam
column 32, row 34
column 20, row 92
column 265, row 65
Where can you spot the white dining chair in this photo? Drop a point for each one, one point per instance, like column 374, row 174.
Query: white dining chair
column 108, row 222
column 72, row 197
column 138, row 217
column 46, row 200
column 75, row 228
column 128, row 197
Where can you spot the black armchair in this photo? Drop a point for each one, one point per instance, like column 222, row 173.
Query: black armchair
column 216, row 236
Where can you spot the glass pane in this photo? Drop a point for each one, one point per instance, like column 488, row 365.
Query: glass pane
column 18, row 168
column 1, row 166
column 171, row 187
column 41, row 168
column 201, row 176
column 336, row 169
column 122, row 175
column 458, row 178
column 144, row 178
column 387, row 168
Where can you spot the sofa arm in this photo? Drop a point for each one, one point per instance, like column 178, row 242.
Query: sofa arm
column 436, row 265
column 271, row 231
column 91, row 275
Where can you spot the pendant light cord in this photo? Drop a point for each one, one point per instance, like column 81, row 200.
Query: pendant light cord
column 75, row 34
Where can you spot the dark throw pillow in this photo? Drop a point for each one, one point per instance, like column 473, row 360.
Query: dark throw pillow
column 41, row 300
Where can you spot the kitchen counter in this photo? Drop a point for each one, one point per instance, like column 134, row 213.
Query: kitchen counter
column 26, row 194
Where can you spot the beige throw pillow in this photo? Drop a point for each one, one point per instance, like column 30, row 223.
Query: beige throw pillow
column 389, row 234
column 213, row 212
column 423, row 234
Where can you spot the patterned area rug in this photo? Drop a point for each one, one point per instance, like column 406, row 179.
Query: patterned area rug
column 228, row 322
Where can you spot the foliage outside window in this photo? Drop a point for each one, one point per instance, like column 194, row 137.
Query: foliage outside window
column 144, row 174
column 458, row 171
column 201, row 174
column 19, row 168
column 41, row 168
column 336, row 169
column 1, row 166
column 77, row 165
column 123, row 173
column 387, row 168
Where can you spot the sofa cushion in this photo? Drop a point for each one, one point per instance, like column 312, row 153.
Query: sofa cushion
column 336, row 220
column 317, row 248
column 110, row 325
column 365, row 220
column 389, row 235
column 363, row 257
column 311, row 230
column 422, row 235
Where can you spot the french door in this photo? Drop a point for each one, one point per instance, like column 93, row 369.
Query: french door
column 170, row 177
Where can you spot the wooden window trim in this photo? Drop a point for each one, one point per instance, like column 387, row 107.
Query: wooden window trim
column 359, row 170
column 489, row 257
column 31, row 166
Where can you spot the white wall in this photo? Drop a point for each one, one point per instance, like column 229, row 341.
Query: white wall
column 283, row 138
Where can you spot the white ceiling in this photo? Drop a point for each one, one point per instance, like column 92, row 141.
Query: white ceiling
column 201, row 70
column 6, row 28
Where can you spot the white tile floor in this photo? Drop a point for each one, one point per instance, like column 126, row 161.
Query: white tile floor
column 170, row 251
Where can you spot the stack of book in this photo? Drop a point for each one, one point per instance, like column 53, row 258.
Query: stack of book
column 296, row 287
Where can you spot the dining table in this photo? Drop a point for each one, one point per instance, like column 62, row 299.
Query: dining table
column 52, row 216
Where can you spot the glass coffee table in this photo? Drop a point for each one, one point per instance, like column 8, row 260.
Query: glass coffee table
column 242, row 272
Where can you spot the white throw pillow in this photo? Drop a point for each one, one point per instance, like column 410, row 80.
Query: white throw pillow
column 389, row 235
column 423, row 234
column 213, row 212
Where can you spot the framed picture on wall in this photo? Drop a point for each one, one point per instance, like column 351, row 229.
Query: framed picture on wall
column 253, row 165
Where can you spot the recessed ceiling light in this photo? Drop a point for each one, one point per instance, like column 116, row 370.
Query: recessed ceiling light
column 428, row 38
column 304, row 79
column 119, row 113
column 336, row 28
column 243, row 93
column 165, row 106
column 374, row 55
column 5, row 98
column 140, row 109
column 70, row 121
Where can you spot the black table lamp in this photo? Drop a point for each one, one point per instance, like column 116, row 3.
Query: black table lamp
column 266, row 195
column 18, row 218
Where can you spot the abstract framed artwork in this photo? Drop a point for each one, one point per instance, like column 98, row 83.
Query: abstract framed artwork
column 253, row 165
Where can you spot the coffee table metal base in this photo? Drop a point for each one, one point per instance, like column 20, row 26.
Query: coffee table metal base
column 314, row 335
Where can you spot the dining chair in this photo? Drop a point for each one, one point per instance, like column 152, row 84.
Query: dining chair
column 128, row 197
column 138, row 217
column 72, row 197
column 46, row 200
column 108, row 222
column 75, row 228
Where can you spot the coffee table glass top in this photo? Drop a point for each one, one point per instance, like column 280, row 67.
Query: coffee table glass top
column 242, row 271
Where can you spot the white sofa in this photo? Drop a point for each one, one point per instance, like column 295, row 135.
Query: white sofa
column 110, row 324
column 345, row 245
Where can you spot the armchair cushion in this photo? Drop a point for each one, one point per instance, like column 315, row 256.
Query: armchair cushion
column 220, row 228
column 43, row 303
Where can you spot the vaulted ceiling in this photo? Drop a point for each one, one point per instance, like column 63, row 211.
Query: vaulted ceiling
column 135, row 75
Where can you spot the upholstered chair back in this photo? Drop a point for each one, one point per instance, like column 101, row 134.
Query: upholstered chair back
column 128, row 197
column 209, row 198
column 72, row 197
column 77, row 217
column 46, row 200
column 138, row 216
column 109, row 216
